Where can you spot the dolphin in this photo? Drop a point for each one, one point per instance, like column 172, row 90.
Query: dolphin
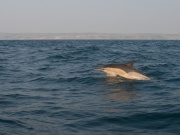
column 126, row 71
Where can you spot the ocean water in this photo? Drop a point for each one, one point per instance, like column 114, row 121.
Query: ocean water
column 52, row 87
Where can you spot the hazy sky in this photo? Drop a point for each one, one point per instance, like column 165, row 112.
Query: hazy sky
column 95, row 16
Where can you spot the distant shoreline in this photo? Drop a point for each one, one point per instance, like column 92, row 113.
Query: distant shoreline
column 88, row 36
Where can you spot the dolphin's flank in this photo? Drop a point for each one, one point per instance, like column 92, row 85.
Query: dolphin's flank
column 124, row 70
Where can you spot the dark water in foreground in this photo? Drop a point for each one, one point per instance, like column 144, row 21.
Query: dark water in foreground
column 51, row 87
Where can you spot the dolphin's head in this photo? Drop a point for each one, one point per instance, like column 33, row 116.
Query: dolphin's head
column 100, row 69
column 103, row 68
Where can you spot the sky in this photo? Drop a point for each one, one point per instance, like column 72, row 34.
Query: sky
column 90, row 16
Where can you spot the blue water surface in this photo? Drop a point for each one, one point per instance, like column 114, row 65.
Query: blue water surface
column 52, row 87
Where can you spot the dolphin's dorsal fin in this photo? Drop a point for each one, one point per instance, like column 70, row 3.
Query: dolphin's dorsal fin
column 130, row 63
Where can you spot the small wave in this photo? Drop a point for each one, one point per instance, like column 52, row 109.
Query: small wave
column 145, row 121
column 175, row 79
column 56, row 57
column 82, row 80
column 4, row 103
column 40, row 79
column 14, row 123
column 17, row 97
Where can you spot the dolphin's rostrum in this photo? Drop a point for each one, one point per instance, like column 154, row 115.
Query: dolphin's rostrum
column 123, row 70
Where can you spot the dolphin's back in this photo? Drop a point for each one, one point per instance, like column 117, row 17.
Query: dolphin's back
column 124, row 67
